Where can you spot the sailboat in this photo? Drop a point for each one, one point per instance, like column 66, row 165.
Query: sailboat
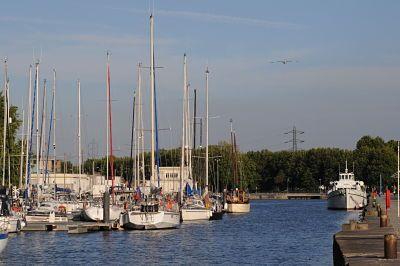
column 3, row 235
column 193, row 208
column 95, row 212
column 237, row 200
column 155, row 211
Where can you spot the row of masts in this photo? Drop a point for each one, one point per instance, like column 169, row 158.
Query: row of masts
column 36, row 127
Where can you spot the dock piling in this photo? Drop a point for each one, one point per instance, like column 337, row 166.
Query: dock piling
column 390, row 242
column 383, row 220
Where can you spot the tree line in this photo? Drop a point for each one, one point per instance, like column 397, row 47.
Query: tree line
column 264, row 170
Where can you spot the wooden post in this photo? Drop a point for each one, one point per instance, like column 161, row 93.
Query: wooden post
column 383, row 220
column 353, row 225
column 390, row 242
column 106, row 207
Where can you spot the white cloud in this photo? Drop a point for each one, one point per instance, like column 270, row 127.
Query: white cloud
column 217, row 18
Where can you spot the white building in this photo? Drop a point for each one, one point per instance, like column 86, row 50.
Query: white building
column 170, row 178
column 95, row 184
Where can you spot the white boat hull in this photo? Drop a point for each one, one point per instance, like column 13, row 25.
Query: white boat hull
column 238, row 207
column 3, row 241
column 48, row 218
column 96, row 213
column 150, row 221
column 347, row 199
column 14, row 225
column 196, row 214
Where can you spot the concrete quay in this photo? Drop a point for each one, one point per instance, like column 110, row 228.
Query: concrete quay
column 373, row 240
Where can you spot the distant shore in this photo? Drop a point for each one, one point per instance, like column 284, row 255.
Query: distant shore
column 286, row 196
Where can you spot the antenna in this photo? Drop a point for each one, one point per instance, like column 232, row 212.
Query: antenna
column 295, row 132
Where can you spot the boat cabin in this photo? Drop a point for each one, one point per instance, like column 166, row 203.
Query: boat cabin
column 346, row 176
column 149, row 208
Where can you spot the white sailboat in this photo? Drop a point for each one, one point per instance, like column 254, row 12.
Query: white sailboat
column 237, row 201
column 95, row 212
column 192, row 208
column 152, row 215
column 3, row 235
column 347, row 193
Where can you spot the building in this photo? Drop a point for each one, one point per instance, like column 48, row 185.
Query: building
column 170, row 178
column 88, row 183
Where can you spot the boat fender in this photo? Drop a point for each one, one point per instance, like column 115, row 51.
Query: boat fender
column 169, row 205
column 62, row 209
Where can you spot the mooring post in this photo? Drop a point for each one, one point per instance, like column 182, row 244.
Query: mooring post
column 379, row 209
column 390, row 242
column 383, row 220
column 106, row 207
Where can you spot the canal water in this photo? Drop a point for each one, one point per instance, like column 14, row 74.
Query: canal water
column 292, row 232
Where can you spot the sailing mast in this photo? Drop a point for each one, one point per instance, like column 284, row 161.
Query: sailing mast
column 152, row 87
column 54, row 125
column 28, row 135
column 47, row 179
column 140, row 146
column 37, row 121
column 79, row 137
column 187, row 129
column 21, row 171
column 31, row 130
column 194, row 131
column 139, row 128
column 109, row 129
column 133, row 144
column 43, row 129
column 183, row 129
column 206, row 185
column 5, row 122
column 107, row 122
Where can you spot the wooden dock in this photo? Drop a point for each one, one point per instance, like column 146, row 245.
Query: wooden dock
column 362, row 242
column 71, row 227
column 286, row 196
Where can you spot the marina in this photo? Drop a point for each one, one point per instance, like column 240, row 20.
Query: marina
column 199, row 133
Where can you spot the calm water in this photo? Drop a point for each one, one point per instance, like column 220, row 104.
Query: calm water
column 275, row 232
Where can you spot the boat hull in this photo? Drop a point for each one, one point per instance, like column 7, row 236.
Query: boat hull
column 3, row 241
column 96, row 213
column 136, row 220
column 196, row 214
column 48, row 218
column 346, row 199
column 14, row 225
column 238, row 207
column 217, row 215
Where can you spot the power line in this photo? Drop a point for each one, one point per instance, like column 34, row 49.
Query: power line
column 295, row 140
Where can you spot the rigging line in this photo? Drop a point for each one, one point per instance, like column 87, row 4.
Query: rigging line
column 46, row 176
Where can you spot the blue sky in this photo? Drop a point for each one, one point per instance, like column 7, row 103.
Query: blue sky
column 345, row 85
